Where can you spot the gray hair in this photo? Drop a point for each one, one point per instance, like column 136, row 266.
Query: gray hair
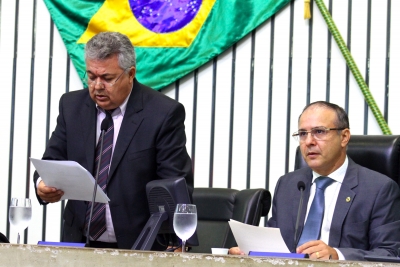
column 342, row 120
column 107, row 44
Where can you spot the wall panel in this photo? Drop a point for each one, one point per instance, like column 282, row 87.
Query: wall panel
column 223, row 91
column 241, row 150
column 39, row 108
column 7, row 18
column 394, row 65
column 279, row 115
column 337, row 87
column 20, row 104
column 319, row 56
column 261, row 114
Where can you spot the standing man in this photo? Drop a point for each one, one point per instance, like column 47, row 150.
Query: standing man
column 147, row 142
column 354, row 212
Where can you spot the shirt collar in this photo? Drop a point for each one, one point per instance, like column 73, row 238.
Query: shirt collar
column 338, row 174
column 121, row 109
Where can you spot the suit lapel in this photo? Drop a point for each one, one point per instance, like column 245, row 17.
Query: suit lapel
column 343, row 203
column 88, row 120
column 130, row 124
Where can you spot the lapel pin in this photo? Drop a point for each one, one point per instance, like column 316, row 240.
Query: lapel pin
column 348, row 199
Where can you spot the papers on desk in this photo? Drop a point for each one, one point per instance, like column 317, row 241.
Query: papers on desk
column 254, row 238
column 70, row 177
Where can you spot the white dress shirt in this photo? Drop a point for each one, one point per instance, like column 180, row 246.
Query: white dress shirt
column 117, row 116
column 331, row 195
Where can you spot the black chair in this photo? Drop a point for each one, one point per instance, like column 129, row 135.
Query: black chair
column 380, row 153
column 216, row 206
column 3, row 239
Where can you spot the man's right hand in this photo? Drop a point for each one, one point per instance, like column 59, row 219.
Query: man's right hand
column 49, row 194
column 235, row 251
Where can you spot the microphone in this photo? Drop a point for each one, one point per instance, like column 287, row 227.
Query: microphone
column 301, row 186
column 105, row 124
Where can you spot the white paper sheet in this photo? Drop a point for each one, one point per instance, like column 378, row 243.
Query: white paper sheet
column 70, row 177
column 255, row 238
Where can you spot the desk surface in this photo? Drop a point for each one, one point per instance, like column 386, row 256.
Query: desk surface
column 43, row 256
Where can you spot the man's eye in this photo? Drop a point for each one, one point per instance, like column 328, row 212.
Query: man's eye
column 302, row 134
column 319, row 131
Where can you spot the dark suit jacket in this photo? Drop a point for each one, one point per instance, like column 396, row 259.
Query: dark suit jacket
column 150, row 145
column 369, row 224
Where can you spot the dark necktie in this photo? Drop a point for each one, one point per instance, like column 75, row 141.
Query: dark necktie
column 312, row 228
column 98, row 222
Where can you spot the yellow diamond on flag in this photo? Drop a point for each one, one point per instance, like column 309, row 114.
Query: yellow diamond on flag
column 151, row 23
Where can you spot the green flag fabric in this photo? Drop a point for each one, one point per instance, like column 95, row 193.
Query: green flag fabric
column 171, row 37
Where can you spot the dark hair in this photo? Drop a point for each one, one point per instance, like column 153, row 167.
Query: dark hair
column 107, row 44
column 342, row 120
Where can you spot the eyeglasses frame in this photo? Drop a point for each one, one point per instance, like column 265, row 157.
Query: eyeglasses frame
column 105, row 84
column 296, row 136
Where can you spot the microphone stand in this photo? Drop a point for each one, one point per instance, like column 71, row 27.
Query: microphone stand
column 301, row 187
column 104, row 127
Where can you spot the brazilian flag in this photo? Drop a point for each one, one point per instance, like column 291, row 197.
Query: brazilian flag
column 171, row 37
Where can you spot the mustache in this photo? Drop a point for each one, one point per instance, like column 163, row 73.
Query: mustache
column 100, row 93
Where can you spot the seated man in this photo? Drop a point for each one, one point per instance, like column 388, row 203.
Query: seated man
column 144, row 140
column 352, row 211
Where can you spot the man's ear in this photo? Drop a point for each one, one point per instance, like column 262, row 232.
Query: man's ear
column 132, row 74
column 345, row 135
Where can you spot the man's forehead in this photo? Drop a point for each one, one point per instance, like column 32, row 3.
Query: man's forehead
column 99, row 61
column 102, row 67
column 317, row 116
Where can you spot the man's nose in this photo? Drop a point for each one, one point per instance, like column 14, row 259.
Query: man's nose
column 310, row 138
column 98, row 82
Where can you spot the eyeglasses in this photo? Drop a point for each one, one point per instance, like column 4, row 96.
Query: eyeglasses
column 105, row 82
column 319, row 133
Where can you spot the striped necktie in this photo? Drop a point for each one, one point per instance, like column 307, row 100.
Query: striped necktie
column 98, row 222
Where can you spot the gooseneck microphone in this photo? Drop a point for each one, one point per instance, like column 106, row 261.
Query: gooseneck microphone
column 301, row 186
column 105, row 124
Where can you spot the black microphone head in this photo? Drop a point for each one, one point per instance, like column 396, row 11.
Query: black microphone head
column 301, row 185
column 105, row 124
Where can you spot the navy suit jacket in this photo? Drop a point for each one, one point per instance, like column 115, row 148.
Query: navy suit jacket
column 369, row 224
column 151, row 145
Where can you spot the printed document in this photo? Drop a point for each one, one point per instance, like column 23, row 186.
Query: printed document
column 70, row 177
column 255, row 238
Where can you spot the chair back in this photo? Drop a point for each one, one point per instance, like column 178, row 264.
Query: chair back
column 380, row 153
column 3, row 239
column 216, row 206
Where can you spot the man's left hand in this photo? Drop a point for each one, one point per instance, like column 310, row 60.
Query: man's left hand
column 318, row 250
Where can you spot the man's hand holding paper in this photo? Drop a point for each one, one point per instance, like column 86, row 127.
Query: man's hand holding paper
column 49, row 194
column 66, row 180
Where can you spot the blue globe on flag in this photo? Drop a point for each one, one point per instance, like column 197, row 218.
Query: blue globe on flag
column 164, row 16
